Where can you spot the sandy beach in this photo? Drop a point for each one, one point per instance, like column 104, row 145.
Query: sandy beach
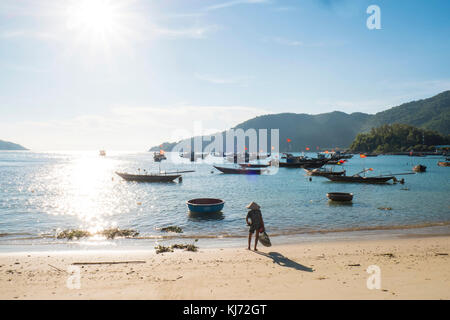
column 411, row 268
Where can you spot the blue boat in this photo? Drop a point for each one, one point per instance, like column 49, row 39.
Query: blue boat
column 205, row 205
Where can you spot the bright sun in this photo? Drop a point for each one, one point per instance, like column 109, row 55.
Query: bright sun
column 93, row 17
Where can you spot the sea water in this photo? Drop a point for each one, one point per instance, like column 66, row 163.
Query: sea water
column 43, row 193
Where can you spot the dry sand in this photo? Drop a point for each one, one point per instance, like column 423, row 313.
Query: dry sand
column 412, row 268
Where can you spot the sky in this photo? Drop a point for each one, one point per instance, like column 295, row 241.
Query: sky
column 131, row 74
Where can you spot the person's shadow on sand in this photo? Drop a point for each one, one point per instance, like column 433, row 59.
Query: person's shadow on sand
column 281, row 260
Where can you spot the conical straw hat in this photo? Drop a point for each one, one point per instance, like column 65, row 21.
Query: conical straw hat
column 253, row 206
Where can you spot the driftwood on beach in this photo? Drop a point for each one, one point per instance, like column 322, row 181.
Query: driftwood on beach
column 107, row 262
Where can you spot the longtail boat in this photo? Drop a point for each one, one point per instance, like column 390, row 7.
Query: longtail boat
column 443, row 164
column 148, row 177
column 359, row 179
column 254, row 165
column 238, row 171
column 299, row 162
column 323, row 172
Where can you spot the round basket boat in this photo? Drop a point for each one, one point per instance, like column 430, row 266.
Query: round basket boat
column 340, row 196
column 205, row 205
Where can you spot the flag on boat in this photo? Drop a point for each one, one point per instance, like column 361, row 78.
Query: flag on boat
column 288, row 140
column 307, row 148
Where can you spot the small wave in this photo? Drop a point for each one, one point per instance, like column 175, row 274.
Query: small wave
column 28, row 236
column 12, row 234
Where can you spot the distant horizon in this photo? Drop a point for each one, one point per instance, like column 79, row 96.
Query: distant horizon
column 189, row 136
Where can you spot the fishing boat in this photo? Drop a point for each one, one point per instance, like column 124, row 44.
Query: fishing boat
column 299, row 162
column 357, row 178
column 239, row 170
column 443, row 164
column 323, row 172
column 205, row 205
column 340, row 196
column 254, row 165
column 161, row 177
column 158, row 157
column 419, row 168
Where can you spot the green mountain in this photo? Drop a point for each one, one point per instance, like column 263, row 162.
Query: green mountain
column 432, row 114
column 328, row 130
column 398, row 138
column 5, row 145
column 338, row 129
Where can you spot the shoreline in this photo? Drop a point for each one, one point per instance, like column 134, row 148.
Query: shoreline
column 411, row 268
column 138, row 244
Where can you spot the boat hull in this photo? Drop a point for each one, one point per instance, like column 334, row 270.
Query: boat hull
column 352, row 179
column 323, row 173
column 340, row 196
column 443, row 164
column 305, row 165
column 239, row 171
column 252, row 165
column 148, row 178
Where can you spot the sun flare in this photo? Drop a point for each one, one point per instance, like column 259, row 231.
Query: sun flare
column 93, row 15
column 98, row 22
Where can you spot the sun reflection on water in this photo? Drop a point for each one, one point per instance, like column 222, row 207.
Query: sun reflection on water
column 86, row 190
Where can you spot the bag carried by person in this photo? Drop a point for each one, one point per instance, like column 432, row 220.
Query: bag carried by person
column 264, row 239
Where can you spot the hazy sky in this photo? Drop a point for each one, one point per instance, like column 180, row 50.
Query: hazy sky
column 129, row 74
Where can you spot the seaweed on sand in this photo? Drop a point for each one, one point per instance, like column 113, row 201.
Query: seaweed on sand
column 187, row 246
column 161, row 249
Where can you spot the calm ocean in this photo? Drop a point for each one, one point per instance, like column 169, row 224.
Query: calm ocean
column 42, row 193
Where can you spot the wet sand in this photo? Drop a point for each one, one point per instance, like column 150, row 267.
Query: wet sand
column 411, row 268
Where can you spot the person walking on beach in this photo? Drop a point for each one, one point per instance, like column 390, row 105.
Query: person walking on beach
column 257, row 223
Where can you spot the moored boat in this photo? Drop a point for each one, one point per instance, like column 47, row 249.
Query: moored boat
column 238, row 170
column 299, row 162
column 340, row 196
column 254, row 165
column 148, row 177
column 419, row 168
column 371, row 154
column 359, row 179
column 323, row 172
column 158, row 157
column 443, row 164
column 205, row 205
